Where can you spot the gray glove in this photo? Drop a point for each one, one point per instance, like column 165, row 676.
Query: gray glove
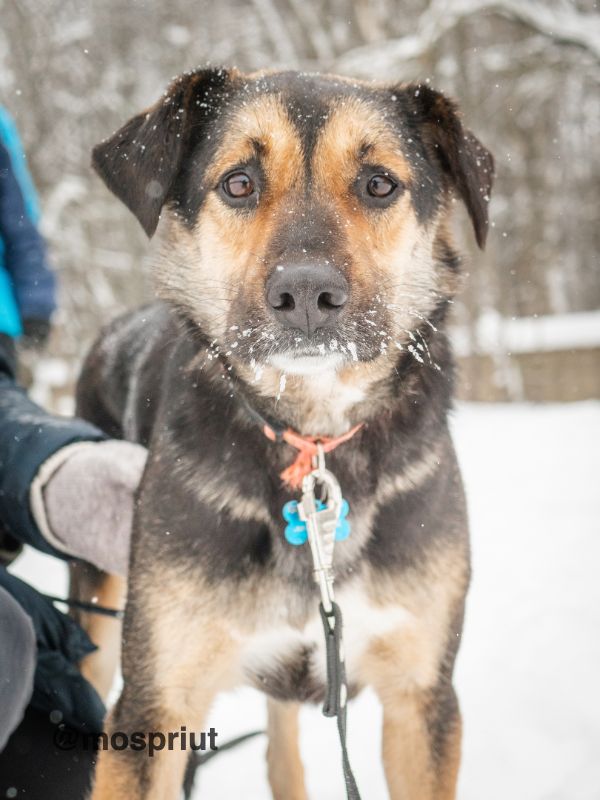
column 82, row 500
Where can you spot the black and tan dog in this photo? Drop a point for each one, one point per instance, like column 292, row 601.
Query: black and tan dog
column 306, row 274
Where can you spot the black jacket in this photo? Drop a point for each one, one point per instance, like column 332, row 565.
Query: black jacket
column 28, row 436
column 58, row 685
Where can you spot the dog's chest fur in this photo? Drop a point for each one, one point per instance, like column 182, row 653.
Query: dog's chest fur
column 289, row 662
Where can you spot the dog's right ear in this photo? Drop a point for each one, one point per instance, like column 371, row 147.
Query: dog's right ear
column 141, row 161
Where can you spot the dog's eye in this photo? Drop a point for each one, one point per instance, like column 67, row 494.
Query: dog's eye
column 238, row 185
column 381, row 186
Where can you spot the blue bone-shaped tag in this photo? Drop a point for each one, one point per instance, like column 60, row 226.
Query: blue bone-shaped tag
column 295, row 530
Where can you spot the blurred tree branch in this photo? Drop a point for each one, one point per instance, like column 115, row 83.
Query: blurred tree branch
column 563, row 24
column 277, row 31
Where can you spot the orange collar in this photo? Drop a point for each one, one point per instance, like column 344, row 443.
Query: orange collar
column 308, row 448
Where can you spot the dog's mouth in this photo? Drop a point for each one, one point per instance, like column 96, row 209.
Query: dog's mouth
column 260, row 341
column 295, row 353
column 306, row 362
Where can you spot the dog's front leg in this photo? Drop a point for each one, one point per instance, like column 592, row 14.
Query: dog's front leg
column 421, row 751
column 421, row 719
column 176, row 657
column 286, row 773
column 133, row 775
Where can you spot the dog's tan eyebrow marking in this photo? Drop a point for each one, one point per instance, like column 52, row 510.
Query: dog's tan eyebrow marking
column 260, row 129
column 260, row 147
column 354, row 133
column 252, row 148
column 364, row 149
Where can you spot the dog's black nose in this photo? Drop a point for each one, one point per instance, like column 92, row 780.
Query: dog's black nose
column 306, row 296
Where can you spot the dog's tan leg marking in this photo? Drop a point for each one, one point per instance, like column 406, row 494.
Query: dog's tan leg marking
column 421, row 719
column 450, row 761
column 285, row 769
column 400, row 670
column 410, row 668
column 115, row 775
column 91, row 585
column 418, row 764
column 135, row 776
column 405, row 750
column 177, row 655
column 412, row 769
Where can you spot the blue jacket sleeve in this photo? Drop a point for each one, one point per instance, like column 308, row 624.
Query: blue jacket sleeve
column 28, row 436
column 24, row 248
column 9, row 136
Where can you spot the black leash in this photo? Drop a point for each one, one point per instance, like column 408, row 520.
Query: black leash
column 92, row 608
column 204, row 757
column 197, row 760
column 336, row 696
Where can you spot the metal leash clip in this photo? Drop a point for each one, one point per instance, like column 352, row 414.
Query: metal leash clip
column 322, row 520
column 322, row 516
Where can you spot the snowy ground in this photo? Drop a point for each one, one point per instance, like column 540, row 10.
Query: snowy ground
column 528, row 673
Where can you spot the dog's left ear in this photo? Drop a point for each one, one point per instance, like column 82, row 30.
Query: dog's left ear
column 468, row 164
column 141, row 161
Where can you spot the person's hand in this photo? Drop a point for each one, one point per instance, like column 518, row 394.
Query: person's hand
column 83, row 498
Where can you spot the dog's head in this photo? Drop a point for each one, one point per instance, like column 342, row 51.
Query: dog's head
column 305, row 213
